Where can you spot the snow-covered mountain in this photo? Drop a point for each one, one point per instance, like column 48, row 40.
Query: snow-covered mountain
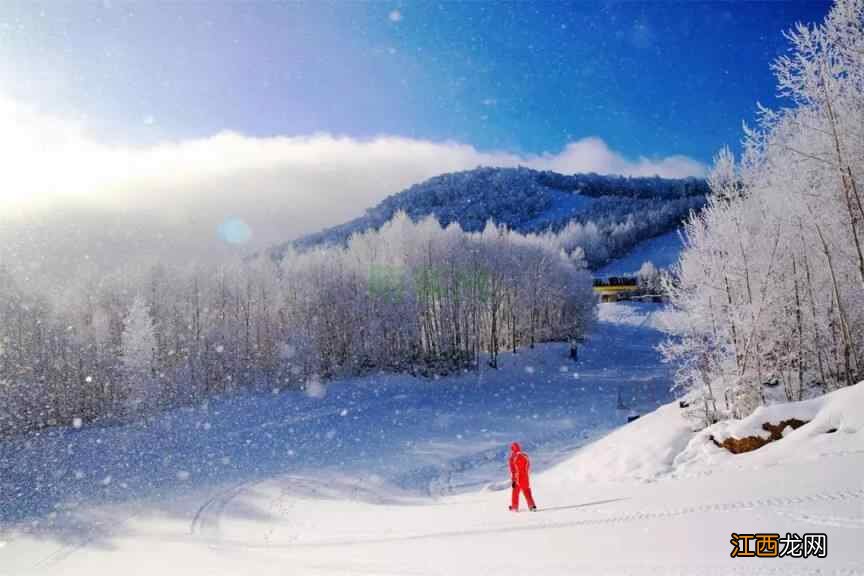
column 534, row 201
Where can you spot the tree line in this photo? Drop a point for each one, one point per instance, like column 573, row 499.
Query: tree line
column 772, row 278
column 412, row 296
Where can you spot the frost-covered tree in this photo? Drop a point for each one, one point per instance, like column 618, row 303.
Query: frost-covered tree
column 649, row 277
column 137, row 355
column 411, row 296
column 772, row 277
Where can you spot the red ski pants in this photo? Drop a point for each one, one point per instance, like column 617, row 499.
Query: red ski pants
column 526, row 490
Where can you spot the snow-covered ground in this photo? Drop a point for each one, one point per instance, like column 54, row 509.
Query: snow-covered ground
column 393, row 475
column 662, row 251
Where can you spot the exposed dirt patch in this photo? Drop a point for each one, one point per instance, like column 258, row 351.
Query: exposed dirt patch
column 750, row 443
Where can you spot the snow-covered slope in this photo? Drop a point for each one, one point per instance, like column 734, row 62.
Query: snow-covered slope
column 428, row 436
column 325, row 497
column 835, row 427
column 662, row 251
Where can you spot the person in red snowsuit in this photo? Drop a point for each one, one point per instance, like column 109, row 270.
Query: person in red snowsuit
column 519, row 466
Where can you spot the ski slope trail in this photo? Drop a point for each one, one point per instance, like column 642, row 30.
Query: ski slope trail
column 663, row 251
column 676, row 526
column 396, row 475
column 625, row 513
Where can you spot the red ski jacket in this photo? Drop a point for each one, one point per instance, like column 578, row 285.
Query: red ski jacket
column 519, row 466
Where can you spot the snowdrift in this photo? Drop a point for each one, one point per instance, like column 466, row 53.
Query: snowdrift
column 835, row 424
column 643, row 450
column 665, row 443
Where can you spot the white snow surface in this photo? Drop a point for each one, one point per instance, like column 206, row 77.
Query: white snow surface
column 835, row 428
column 663, row 251
column 621, row 313
column 395, row 475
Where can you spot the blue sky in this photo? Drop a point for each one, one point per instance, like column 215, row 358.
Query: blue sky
column 649, row 79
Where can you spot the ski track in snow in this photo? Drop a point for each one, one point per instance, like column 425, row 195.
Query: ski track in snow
column 837, row 496
column 208, row 515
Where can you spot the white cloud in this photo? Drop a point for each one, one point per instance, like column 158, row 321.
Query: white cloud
column 395, row 16
column 280, row 187
column 593, row 155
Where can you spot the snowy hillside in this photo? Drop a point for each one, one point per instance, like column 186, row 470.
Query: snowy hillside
column 391, row 475
column 662, row 251
column 533, row 201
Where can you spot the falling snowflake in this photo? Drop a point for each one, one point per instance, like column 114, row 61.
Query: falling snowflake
column 286, row 351
column 315, row 389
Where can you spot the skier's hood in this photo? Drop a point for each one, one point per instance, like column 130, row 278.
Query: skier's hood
column 515, row 447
